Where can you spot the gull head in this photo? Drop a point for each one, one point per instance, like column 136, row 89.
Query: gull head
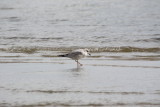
column 87, row 51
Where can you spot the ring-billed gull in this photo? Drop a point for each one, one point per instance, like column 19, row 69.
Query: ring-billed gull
column 77, row 54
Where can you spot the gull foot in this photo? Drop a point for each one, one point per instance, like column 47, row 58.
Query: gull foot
column 81, row 64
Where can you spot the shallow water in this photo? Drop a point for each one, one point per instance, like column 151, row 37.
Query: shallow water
column 123, row 37
column 97, row 83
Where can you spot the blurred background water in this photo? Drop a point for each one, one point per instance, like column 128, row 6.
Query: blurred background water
column 79, row 23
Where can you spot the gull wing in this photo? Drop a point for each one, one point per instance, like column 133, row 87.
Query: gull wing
column 72, row 54
column 75, row 53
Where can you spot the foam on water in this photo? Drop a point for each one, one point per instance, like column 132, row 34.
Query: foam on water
column 31, row 50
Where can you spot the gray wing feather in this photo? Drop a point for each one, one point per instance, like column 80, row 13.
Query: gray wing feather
column 75, row 53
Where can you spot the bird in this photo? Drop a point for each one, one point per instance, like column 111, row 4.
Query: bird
column 76, row 55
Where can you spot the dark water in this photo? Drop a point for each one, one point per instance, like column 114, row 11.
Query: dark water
column 122, row 35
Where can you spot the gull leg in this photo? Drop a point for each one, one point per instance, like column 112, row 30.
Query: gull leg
column 78, row 63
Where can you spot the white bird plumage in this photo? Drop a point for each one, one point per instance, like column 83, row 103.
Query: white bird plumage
column 77, row 54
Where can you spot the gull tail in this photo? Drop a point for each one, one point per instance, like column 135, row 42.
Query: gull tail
column 63, row 55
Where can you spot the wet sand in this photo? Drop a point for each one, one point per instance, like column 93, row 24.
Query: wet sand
column 38, row 81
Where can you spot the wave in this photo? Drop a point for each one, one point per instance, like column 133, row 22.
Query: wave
column 91, row 92
column 74, row 104
column 31, row 50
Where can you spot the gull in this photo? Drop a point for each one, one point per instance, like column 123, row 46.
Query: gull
column 77, row 54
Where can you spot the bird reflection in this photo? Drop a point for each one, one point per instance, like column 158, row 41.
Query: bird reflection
column 78, row 69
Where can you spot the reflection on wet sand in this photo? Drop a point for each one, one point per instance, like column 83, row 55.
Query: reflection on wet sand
column 77, row 69
column 89, row 85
